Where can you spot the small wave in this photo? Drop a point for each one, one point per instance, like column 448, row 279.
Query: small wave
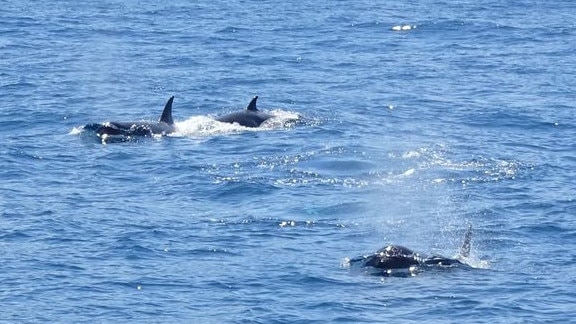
column 230, row 29
column 344, row 182
column 444, row 169
column 272, row 222
column 403, row 27
column 475, row 262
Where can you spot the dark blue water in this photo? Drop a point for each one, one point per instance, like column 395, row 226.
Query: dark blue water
column 416, row 119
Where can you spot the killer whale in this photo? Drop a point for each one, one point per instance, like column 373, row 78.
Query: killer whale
column 249, row 117
column 397, row 257
column 165, row 125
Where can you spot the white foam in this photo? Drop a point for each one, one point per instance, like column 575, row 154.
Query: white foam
column 475, row 262
column 76, row 130
column 202, row 126
column 408, row 172
column 403, row 27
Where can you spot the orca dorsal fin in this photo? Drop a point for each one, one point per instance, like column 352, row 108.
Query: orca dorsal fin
column 465, row 248
column 167, row 113
column 252, row 104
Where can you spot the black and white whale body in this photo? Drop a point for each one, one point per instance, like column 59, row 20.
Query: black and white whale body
column 250, row 117
column 397, row 257
column 128, row 129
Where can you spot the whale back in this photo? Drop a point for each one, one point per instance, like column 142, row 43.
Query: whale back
column 138, row 128
column 249, row 117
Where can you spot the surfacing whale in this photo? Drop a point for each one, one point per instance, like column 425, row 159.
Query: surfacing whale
column 250, row 117
column 396, row 257
column 126, row 130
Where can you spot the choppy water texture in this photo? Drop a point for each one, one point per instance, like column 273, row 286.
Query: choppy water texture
column 416, row 119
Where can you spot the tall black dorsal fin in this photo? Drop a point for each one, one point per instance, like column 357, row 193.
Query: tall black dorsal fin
column 252, row 104
column 167, row 113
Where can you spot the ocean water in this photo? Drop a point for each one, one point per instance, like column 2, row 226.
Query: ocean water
column 414, row 120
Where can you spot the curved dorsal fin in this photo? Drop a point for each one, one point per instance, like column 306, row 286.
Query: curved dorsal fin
column 252, row 104
column 167, row 113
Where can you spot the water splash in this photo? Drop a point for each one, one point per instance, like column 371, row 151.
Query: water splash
column 203, row 126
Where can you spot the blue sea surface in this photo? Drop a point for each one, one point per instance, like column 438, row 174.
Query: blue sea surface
column 414, row 120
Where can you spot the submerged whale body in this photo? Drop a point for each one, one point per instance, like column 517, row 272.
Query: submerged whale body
column 250, row 117
column 395, row 257
column 126, row 130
